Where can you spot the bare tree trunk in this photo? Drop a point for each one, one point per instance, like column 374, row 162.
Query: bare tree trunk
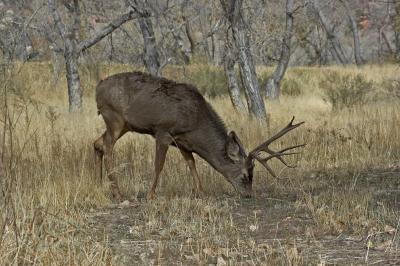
column 387, row 42
column 273, row 82
column 330, row 33
column 354, row 29
column 72, row 49
column 73, row 81
column 70, row 54
column 189, row 34
column 179, row 48
column 248, row 75
column 397, row 40
column 151, row 58
column 56, row 68
column 150, row 52
column 397, row 29
column 230, row 74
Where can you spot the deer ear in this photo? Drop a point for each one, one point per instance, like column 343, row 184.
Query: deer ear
column 233, row 147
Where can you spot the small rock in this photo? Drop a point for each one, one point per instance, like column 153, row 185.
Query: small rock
column 207, row 251
column 221, row 261
column 253, row 227
column 384, row 245
column 124, row 204
column 390, row 229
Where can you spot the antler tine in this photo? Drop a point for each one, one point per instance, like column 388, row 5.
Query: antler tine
column 273, row 154
column 293, row 147
column 282, row 132
column 264, row 163
column 282, row 152
column 279, row 157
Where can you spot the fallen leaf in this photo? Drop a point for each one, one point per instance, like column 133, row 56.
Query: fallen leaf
column 390, row 229
column 124, row 204
column 192, row 257
column 253, row 227
column 287, row 218
column 383, row 245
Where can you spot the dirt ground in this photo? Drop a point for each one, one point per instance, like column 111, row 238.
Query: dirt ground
column 265, row 231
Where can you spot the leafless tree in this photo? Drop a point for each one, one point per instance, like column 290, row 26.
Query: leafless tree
column 273, row 82
column 354, row 30
column 229, row 62
column 73, row 47
column 397, row 29
column 150, row 51
column 337, row 50
column 233, row 12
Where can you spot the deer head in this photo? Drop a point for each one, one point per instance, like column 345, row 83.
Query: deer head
column 240, row 171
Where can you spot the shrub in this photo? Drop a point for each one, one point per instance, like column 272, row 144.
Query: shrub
column 391, row 88
column 209, row 80
column 291, row 87
column 345, row 90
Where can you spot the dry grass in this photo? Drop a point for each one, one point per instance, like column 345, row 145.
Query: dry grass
column 50, row 196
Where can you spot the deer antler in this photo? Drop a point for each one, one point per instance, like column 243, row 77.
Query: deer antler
column 255, row 154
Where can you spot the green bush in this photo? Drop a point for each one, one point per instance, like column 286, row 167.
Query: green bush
column 345, row 90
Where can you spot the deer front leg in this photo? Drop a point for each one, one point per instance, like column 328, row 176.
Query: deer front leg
column 161, row 152
column 188, row 156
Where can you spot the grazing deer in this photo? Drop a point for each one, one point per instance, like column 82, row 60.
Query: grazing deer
column 175, row 114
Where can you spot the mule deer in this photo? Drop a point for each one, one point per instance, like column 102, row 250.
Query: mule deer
column 175, row 114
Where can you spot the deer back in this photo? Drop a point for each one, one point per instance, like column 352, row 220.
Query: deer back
column 149, row 104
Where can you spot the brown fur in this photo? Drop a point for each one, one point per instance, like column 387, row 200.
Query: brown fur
column 174, row 114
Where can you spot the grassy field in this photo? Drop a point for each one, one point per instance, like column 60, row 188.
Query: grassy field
column 339, row 206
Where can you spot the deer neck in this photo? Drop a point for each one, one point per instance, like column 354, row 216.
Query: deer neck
column 214, row 152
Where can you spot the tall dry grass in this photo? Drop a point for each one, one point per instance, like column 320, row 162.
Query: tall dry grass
column 49, row 188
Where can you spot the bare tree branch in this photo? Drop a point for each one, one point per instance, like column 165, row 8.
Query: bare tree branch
column 330, row 33
column 103, row 32
column 57, row 19
column 273, row 82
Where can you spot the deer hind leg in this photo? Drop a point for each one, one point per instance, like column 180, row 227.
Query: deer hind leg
column 116, row 128
column 188, row 156
column 98, row 157
column 162, row 143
